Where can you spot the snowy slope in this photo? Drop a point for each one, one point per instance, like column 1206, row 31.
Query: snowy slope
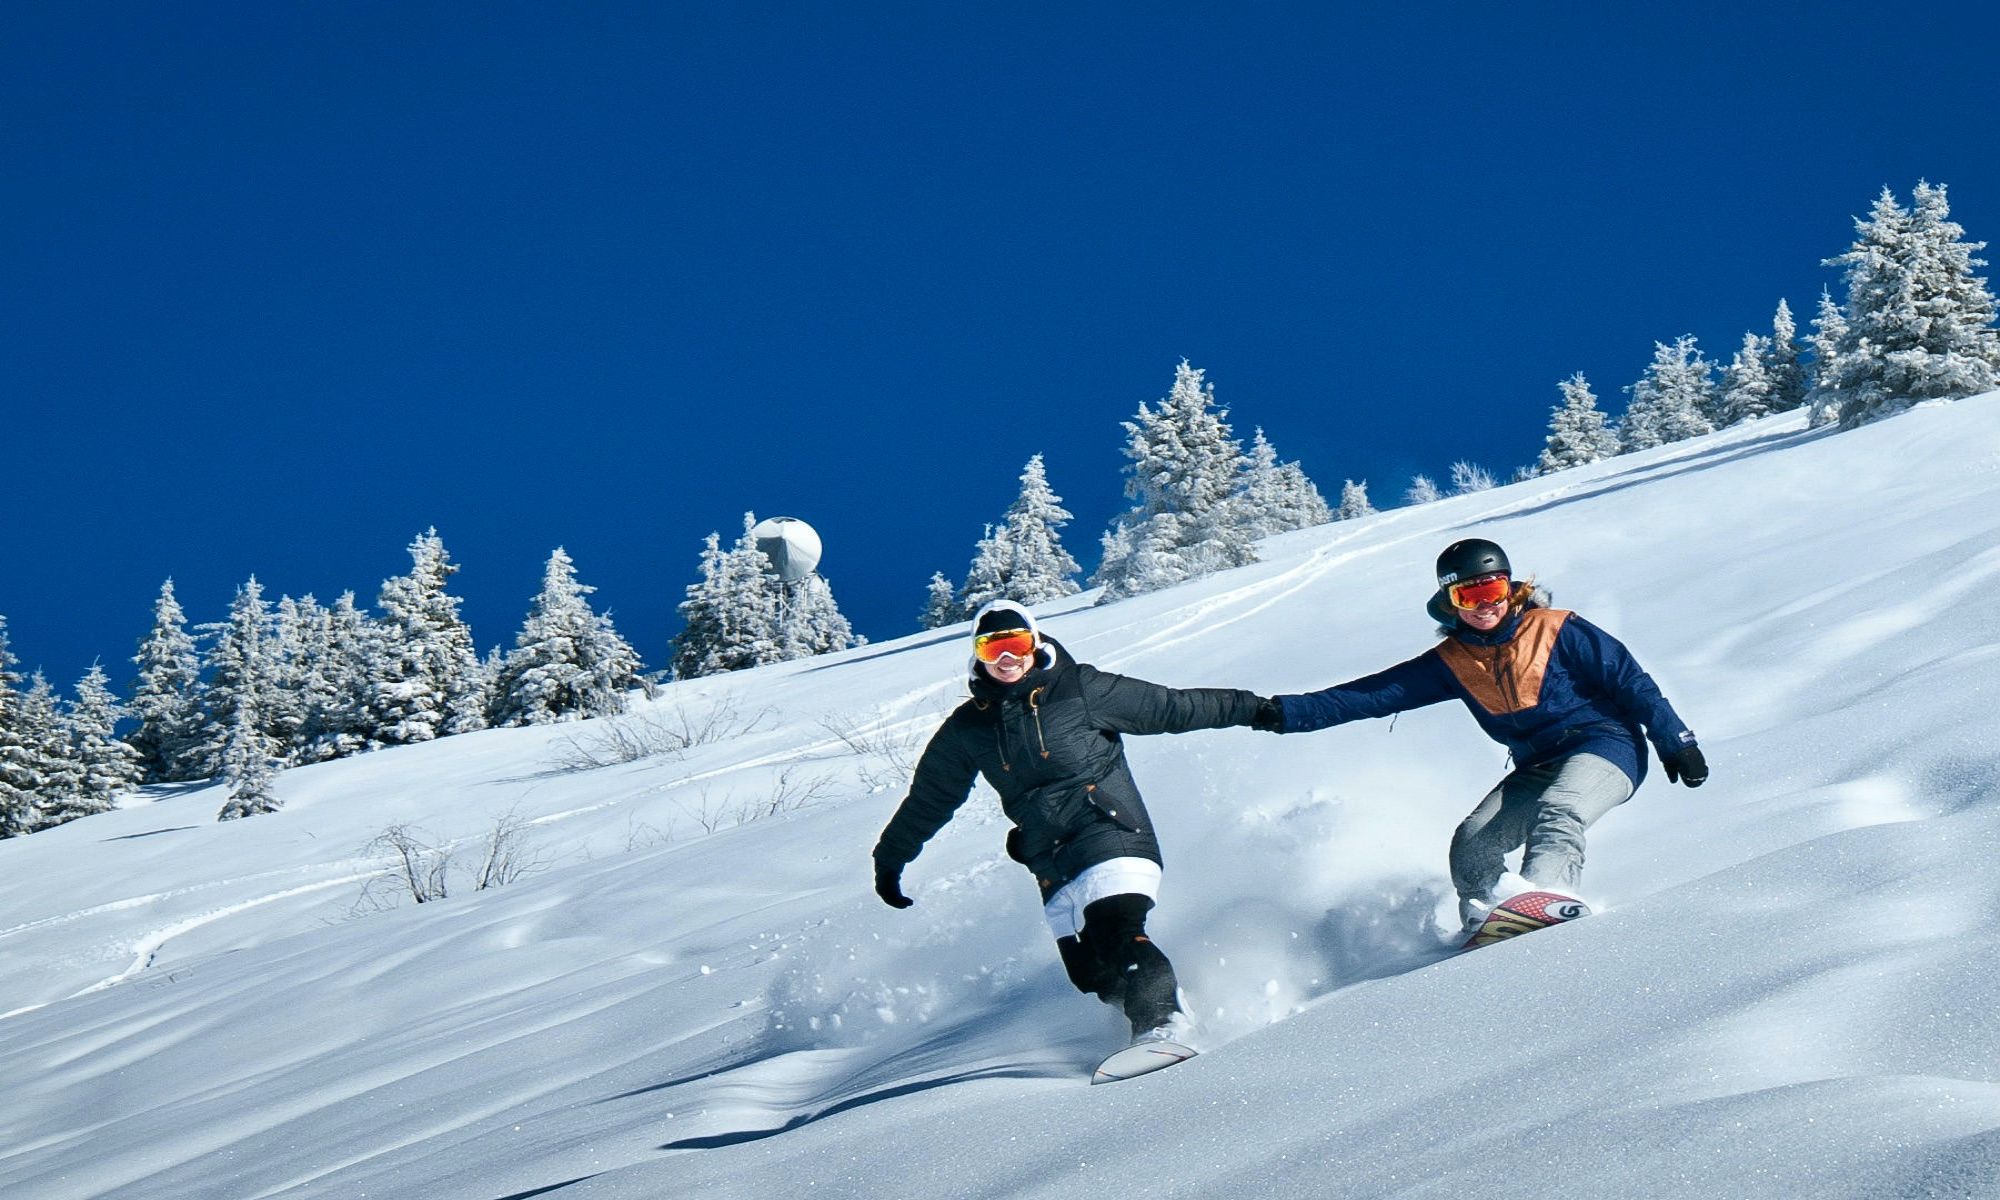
column 1788, row 991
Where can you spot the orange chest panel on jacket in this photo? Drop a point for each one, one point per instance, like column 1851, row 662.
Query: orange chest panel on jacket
column 1508, row 678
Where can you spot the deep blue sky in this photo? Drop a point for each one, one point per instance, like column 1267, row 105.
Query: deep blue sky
column 289, row 283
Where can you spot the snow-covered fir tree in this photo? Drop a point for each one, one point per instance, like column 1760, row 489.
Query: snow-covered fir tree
column 1469, row 477
column 1039, row 569
column 809, row 620
column 1670, row 401
column 1829, row 329
column 338, row 651
column 59, row 778
column 1578, row 432
column 1919, row 318
column 1353, row 501
column 940, row 604
column 1782, row 362
column 243, row 676
column 568, row 661
column 1183, row 474
column 1422, row 490
column 298, row 640
column 428, row 681
column 1279, row 497
column 167, row 698
column 249, row 767
column 1022, row 558
column 1747, row 390
column 730, row 615
column 109, row 768
column 986, row 578
column 20, row 773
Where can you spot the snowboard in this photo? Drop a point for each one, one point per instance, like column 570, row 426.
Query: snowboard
column 1526, row 913
column 1141, row 1058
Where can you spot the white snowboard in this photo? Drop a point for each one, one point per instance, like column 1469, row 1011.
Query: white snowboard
column 1141, row 1058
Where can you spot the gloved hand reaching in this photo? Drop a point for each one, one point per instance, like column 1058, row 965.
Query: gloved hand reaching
column 1269, row 717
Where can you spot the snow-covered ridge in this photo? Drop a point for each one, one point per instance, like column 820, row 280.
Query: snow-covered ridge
column 1786, row 994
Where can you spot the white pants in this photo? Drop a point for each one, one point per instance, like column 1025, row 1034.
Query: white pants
column 1118, row 877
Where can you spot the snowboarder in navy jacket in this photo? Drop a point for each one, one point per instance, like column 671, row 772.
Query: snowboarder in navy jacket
column 1567, row 699
column 1045, row 731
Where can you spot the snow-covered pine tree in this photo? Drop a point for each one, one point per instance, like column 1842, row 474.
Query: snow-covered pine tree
column 167, row 698
column 1038, row 569
column 1278, row 497
column 1919, row 320
column 940, row 604
column 249, row 768
column 1183, row 473
column 1829, row 328
column 986, row 578
column 1747, row 390
column 1022, row 558
column 1469, row 477
column 428, row 680
column 20, row 774
column 109, row 767
column 338, row 685
column 1669, row 401
column 42, row 727
column 1353, row 501
column 809, row 620
column 243, row 675
column 1422, row 490
column 1787, row 373
column 1578, row 433
column 730, row 615
column 568, row 661
column 297, row 640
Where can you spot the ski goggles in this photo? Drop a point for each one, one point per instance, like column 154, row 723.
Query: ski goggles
column 1487, row 589
column 991, row 647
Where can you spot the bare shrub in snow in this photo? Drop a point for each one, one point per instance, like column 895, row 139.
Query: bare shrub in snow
column 424, row 872
column 636, row 736
column 888, row 750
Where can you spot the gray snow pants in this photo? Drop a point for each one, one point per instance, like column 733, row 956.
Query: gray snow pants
column 1544, row 808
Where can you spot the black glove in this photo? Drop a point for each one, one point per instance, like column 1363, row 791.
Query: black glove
column 1269, row 717
column 1015, row 849
column 889, row 886
column 1686, row 766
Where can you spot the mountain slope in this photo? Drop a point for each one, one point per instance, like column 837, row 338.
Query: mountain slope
column 1786, row 992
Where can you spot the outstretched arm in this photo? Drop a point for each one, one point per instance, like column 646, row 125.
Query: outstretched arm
column 1123, row 704
column 1423, row 680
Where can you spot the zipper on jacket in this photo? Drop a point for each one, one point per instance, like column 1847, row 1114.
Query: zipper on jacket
column 1035, row 708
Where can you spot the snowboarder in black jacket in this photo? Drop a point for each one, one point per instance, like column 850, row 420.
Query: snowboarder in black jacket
column 1044, row 730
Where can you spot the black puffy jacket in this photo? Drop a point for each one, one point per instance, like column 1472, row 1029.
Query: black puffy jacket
column 1050, row 746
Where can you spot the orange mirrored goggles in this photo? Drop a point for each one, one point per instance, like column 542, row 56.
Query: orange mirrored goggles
column 1487, row 589
column 989, row 647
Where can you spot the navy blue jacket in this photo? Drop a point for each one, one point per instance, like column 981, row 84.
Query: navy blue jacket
column 1545, row 683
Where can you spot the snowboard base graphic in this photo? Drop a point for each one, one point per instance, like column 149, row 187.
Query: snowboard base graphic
column 1526, row 913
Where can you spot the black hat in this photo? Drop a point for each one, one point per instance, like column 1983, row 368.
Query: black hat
column 997, row 620
column 1470, row 559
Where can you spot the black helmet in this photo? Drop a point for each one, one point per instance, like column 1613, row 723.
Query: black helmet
column 1470, row 559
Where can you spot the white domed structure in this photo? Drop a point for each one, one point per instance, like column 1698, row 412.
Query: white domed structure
column 791, row 545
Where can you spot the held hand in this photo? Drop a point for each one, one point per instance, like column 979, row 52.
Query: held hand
column 889, row 886
column 1269, row 717
column 1016, row 849
column 1686, row 766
